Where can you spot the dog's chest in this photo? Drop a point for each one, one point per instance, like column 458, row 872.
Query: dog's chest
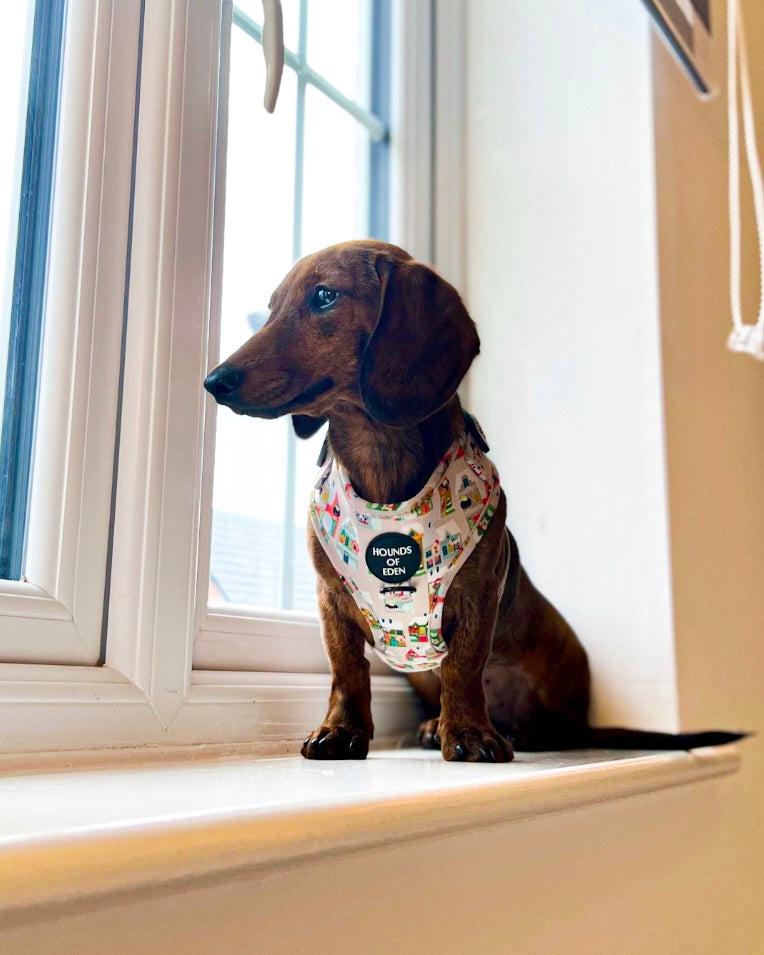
column 398, row 560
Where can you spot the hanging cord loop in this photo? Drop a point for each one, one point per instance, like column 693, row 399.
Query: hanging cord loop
column 743, row 338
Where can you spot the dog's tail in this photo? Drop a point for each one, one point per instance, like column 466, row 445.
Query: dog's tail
column 561, row 734
column 617, row 737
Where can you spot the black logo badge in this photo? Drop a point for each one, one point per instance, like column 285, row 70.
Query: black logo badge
column 393, row 558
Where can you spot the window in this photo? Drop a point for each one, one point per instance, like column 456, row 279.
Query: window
column 67, row 197
column 323, row 175
column 110, row 636
column 314, row 173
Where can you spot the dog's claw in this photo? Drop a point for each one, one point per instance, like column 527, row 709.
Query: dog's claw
column 358, row 747
column 471, row 744
column 476, row 744
column 337, row 743
column 428, row 736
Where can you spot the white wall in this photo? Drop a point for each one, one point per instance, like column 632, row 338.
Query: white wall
column 562, row 281
column 599, row 408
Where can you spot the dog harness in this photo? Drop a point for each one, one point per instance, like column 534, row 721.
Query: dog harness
column 397, row 561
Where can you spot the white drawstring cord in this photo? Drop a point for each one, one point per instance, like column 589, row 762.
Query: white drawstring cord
column 744, row 338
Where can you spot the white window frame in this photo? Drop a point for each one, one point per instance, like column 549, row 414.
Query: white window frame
column 146, row 692
column 242, row 638
column 54, row 615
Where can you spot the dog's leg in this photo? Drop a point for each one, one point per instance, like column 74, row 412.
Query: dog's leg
column 347, row 727
column 464, row 727
column 427, row 685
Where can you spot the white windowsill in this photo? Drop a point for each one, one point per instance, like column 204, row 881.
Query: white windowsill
column 70, row 836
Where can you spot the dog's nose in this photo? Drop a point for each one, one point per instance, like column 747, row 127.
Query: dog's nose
column 223, row 381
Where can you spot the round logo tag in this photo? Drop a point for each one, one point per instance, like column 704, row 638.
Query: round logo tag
column 393, row 557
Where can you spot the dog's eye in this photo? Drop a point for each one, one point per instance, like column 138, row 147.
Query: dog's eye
column 323, row 298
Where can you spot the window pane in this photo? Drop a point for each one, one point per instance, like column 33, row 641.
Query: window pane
column 247, row 545
column 339, row 34
column 30, row 58
column 259, row 192
column 336, row 186
column 14, row 71
column 285, row 195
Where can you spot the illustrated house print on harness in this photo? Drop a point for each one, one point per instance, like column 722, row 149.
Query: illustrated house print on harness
column 401, row 599
column 443, row 548
column 398, row 560
column 423, row 505
column 330, row 516
column 418, row 633
column 469, row 496
column 446, row 503
column 347, row 544
column 392, row 635
column 416, row 533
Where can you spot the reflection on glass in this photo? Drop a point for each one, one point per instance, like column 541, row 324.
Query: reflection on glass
column 296, row 181
column 338, row 43
column 14, row 79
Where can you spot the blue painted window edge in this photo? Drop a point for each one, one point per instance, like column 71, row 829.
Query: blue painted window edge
column 27, row 307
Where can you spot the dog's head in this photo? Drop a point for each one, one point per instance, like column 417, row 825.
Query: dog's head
column 358, row 324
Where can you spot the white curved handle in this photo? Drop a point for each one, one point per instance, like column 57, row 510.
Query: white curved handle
column 273, row 51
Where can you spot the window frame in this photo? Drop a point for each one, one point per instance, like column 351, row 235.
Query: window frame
column 145, row 691
column 244, row 638
column 54, row 614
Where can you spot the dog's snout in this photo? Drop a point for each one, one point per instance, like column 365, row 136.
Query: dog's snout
column 223, row 381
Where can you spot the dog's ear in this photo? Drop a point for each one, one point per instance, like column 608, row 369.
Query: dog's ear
column 422, row 346
column 305, row 426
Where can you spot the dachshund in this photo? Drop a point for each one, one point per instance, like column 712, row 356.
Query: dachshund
column 362, row 336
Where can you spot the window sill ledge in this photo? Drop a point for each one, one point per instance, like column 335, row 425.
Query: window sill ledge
column 70, row 836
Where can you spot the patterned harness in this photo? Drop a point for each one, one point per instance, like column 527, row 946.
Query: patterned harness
column 397, row 561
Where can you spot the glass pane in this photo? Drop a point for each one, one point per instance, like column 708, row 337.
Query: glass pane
column 247, row 523
column 336, row 187
column 259, row 554
column 259, row 192
column 30, row 59
column 339, row 43
column 14, row 76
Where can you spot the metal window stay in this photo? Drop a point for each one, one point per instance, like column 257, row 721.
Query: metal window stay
column 308, row 76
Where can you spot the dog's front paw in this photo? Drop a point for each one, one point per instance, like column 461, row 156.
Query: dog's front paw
column 474, row 744
column 336, row 742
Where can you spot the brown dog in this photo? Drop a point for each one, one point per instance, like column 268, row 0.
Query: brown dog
column 362, row 336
